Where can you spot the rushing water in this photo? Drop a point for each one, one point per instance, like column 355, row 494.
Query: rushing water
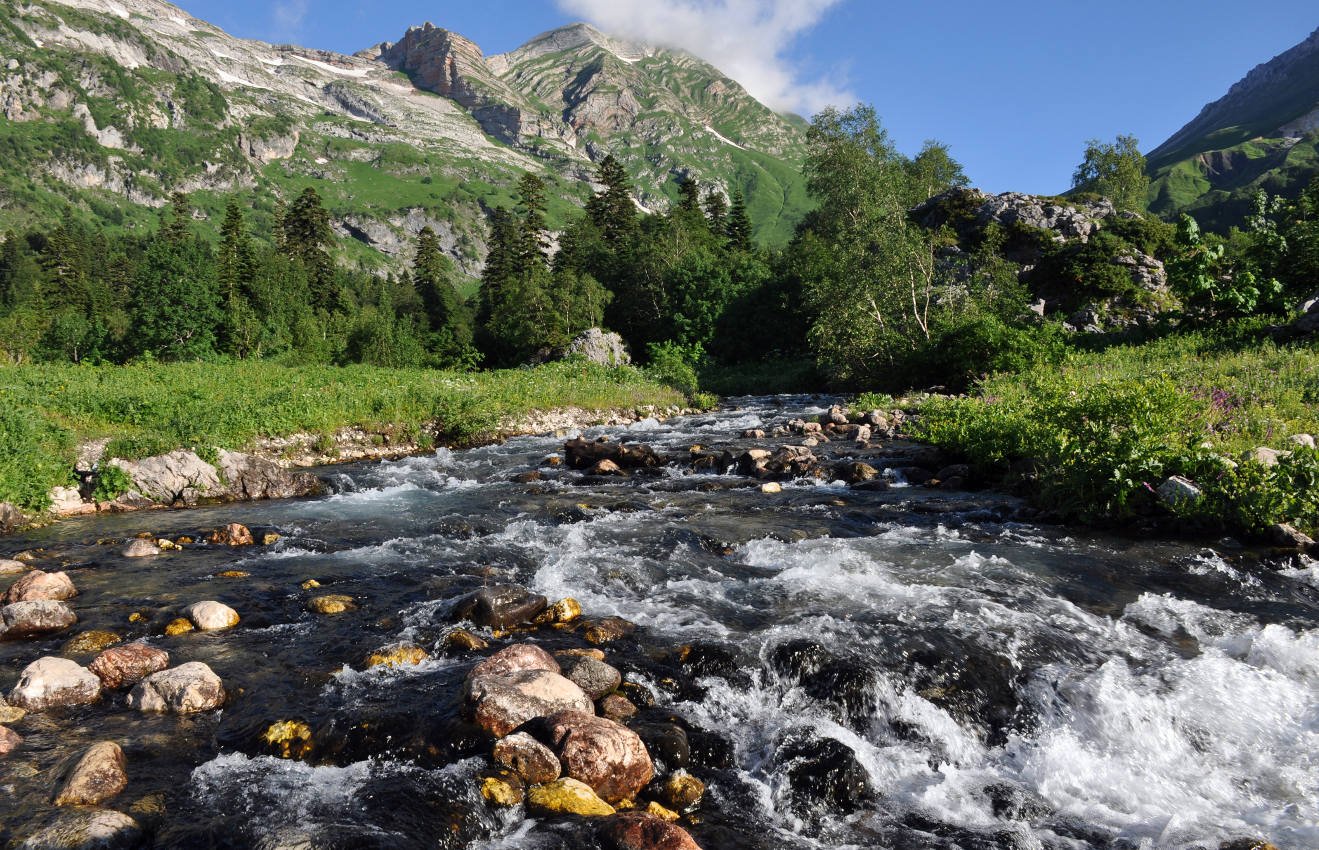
column 998, row 684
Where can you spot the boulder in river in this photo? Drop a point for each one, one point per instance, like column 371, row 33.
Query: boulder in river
column 528, row 758
column 334, row 603
column 141, row 549
column 9, row 741
column 501, row 606
column 38, row 586
column 617, row 708
column 99, row 775
column 500, row 704
column 128, row 664
column 824, row 772
column 49, row 682
column 645, row 831
column 87, row 643
column 400, row 655
column 681, row 790
column 518, row 658
column 608, row 630
column 212, row 616
column 584, row 454
column 92, row 829
column 22, row 619
column 233, row 534
column 10, row 567
column 596, row 678
column 605, row 755
column 567, row 796
column 186, row 689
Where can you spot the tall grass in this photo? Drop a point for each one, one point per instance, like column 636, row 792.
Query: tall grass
column 148, row 409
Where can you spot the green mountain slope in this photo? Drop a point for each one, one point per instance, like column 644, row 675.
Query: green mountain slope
column 111, row 105
column 1262, row 135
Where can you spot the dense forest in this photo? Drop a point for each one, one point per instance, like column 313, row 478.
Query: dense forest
column 867, row 294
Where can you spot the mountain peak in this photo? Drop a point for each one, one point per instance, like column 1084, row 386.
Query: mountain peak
column 571, row 37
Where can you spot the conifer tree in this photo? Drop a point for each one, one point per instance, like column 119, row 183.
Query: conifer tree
column 612, row 210
column 304, row 232
column 716, row 211
column 738, row 227
column 235, row 269
column 689, row 196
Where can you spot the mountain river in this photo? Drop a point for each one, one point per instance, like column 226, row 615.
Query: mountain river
column 903, row 668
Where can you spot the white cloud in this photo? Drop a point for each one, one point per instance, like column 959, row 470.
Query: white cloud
column 289, row 16
column 746, row 39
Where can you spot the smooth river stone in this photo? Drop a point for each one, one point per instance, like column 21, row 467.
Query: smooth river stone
column 99, row 775
column 51, row 681
column 38, row 586
column 23, row 619
column 212, row 616
column 128, row 664
column 645, row 831
column 186, row 689
column 515, row 659
column 605, row 755
column 500, row 704
column 96, row 829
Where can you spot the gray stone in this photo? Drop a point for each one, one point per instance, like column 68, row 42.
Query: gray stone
column 11, row 518
column 141, row 549
column 186, row 689
column 594, row 677
column 22, row 619
column 528, row 758
column 1265, row 456
column 51, row 681
column 1179, row 492
column 253, row 479
column 500, row 704
column 1305, row 441
column 598, row 346
column 180, row 477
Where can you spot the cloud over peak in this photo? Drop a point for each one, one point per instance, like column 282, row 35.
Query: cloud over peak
column 746, row 39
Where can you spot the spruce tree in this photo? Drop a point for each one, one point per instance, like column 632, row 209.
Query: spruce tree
column 689, row 196
column 612, row 210
column 304, row 232
column 235, row 270
column 716, row 211
column 738, row 227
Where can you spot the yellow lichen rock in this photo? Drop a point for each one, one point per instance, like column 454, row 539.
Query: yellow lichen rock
column 660, row 812
column 566, row 610
column 463, row 639
column 397, row 656
column 682, row 790
column 568, row 797
column 233, row 574
column 335, row 603
column 310, row 584
column 501, row 791
column 93, row 641
column 181, row 626
column 289, row 739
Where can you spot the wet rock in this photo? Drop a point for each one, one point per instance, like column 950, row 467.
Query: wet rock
column 100, row 829
column 334, row 603
column 771, row 488
column 186, row 689
column 181, row 626
column 23, row 619
column 38, row 586
column 500, row 704
column 710, row 750
column 121, row 666
column 824, row 772
column 403, row 655
column 9, row 741
column 233, row 534
column 11, row 518
column 91, row 642
column 9, row 567
column 501, row 607
column 566, row 610
column 518, row 658
column 617, row 708
column 608, row 630
column 1011, row 802
column 528, row 758
column 605, row 755
column 606, row 467
column 10, row 713
column 49, row 682
column 836, row 415
column 567, row 797
column 463, row 640
column 753, row 434
column 1289, row 536
column 233, row 574
column 141, row 549
column 856, row 472
column 661, row 812
column 681, row 790
column 596, row 678
column 584, row 454
column 1252, row 843
column 502, row 788
column 289, row 739
column 212, row 616
column 666, row 741
column 703, row 659
column 1178, row 492
column 99, row 775
column 591, row 652
column 645, row 831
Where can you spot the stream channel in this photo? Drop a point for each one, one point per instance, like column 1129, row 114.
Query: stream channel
column 904, row 668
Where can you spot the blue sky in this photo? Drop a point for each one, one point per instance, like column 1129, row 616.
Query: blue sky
column 1014, row 87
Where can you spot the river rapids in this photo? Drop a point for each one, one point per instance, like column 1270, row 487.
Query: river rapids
column 908, row 668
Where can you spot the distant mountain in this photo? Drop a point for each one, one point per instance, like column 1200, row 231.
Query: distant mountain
column 111, row 105
column 1263, row 134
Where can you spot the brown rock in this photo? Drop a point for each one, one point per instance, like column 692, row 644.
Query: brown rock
column 99, row 775
column 645, row 831
column 22, row 619
column 617, row 708
column 86, row 829
column 289, row 739
column 181, row 626
column 121, row 666
column 596, row 678
column 681, row 790
column 464, row 640
column 500, row 704
column 606, row 467
column 9, row 740
column 38, row 586
column 233, row 534
column 403, row 655
column 605, row 755
column 515, row 659
column 608, row 630
column 334, row 603
column 528, row 758
column 501, row 607
column 597, row 654
column 566, row 610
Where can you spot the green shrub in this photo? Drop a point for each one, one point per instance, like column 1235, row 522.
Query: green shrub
column 982, row 345
column 111, row 483
column 675, row 366
column 34, row 457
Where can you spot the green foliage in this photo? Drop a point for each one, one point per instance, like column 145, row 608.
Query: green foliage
column 35, row 455
column 1209, row 280
column 1115, row 170
column 111, row 483
column 676, row 366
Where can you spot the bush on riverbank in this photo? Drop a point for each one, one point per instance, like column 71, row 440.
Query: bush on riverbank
column 1093, row 438
column 149, row 409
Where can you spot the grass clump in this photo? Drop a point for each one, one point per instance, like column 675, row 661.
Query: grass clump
column 1093, row 438
column 148, row 409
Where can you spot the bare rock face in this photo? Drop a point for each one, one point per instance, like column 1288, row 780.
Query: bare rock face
column 254, row 479
column 528, row 758
column 38, row 586
column 23, row 619
column 212, row 616
column 121, row 666
column 644, row 831
column 180, row 477
column 501, row 607
column 605, row 348
column 605, row 755
column 49, row 682
column 96, row 829
column 500, row 704
column 186, row 689
column 515, row 659
column 99, row 775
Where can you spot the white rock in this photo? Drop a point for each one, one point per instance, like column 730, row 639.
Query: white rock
column 1303, row 440
column 53, row 681
column 9, row 567
column 141, row 549
column 212, row 616
column 1179, row 492
column 186, row 689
